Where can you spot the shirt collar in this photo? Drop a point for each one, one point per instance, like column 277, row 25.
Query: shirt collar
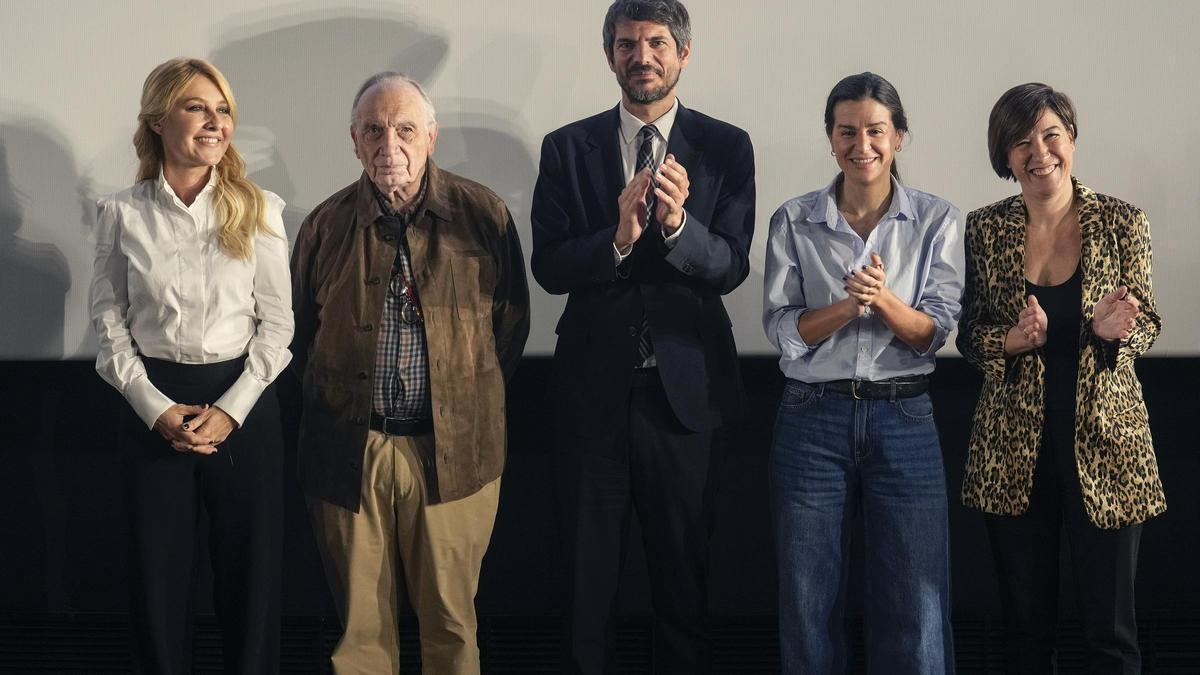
column 1087, row 206
column 406, row 213
column 165, row 189
column 435, row 202
column 825, row 210
column 631, row 126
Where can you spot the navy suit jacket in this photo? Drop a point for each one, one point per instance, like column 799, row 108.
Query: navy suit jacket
column 678, row 290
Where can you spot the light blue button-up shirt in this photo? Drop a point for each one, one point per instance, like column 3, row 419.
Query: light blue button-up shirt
column 811, row 246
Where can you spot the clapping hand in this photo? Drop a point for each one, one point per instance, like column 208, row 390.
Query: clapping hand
column 1032, row 322
column 670, row 192
column 632, row 211
column 1114, row 317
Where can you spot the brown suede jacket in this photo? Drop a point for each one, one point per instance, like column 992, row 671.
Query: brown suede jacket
column 470, row 278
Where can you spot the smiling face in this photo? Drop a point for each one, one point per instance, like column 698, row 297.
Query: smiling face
column 197, row 129
column 646, row 60
column 393, row 137
column 864, row 140
column 1042, row 160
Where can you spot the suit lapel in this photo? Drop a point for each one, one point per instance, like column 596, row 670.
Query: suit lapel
column 1012, row 277
column 1092, row 253
column 603, row 161
column 685, row 142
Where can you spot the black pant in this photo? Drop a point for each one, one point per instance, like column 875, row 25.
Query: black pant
column 1104, row 564
column 241, row 490
column 652, row 464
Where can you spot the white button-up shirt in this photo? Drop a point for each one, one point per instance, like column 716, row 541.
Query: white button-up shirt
column 164, row 288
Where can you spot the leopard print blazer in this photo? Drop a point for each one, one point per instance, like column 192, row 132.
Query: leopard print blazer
column 1118, row 473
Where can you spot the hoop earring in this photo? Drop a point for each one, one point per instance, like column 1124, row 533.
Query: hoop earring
column 832, row 153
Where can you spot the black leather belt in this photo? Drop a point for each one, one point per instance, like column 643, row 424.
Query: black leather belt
column 900, row 387
column 401, row 426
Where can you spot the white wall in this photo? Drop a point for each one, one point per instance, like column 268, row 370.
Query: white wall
column 503, row 73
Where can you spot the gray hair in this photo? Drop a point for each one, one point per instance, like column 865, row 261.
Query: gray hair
column 670, row 13
column 389, row 76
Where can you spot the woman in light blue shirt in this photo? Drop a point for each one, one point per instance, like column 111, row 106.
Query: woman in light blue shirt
column 862, row 286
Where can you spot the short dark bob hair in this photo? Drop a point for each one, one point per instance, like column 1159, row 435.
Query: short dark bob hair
column 1015, row 114
column 669, row 13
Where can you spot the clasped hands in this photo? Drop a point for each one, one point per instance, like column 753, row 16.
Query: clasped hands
column 670, row 188
column 1113, row 318
column 865, row 286
column 200, row 434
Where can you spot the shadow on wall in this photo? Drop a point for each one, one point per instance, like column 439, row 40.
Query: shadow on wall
column 295, row 77
column 34, row 277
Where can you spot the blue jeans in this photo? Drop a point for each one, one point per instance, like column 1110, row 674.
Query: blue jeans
column 833, row 456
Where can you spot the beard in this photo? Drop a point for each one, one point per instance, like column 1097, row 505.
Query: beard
column 644, row 96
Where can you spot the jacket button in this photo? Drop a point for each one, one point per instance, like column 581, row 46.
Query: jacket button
column 354, row 464
column 362, row 375
column 633, row 331
column 368, row 328
column 373, row 281
column 389, row 237
column 360, row 420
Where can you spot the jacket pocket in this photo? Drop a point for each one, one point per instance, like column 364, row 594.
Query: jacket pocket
column 474, row 281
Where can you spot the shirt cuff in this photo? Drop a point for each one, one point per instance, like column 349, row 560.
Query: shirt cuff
column 670, row 241
column 618, row 258
column 791, row 345
column 939, row 339
column 239, row 399
column 147, row 401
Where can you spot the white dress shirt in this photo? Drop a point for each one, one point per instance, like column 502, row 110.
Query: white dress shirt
column 630, row 133
column 164, row 288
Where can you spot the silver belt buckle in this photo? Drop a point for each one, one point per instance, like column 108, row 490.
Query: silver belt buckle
column 854, row 390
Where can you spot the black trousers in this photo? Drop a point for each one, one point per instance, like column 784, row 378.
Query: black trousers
column 655, row 466
column 241, row 490
column 1103, row 562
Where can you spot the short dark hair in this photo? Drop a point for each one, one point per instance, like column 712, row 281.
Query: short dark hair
column 1015, row 114
column 861, row 87
column 670, row 13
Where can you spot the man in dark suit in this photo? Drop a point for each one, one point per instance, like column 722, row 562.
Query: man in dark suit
column 643, row 215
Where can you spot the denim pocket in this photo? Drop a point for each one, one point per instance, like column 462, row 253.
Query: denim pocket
column 797, row 395
column 917, row 408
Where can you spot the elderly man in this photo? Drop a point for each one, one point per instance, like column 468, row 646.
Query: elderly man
column 643, row 215
column 411, row 311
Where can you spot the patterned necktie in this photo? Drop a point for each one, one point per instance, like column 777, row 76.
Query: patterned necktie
column 645, row 159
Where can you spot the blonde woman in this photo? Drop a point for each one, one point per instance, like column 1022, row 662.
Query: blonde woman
column 192, row 307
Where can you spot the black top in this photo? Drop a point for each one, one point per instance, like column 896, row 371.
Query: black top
column 1064, row 315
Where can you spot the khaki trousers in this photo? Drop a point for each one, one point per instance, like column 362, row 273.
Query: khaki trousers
column 439, row 549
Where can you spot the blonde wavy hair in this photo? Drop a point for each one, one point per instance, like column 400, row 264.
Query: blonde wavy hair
column 240, row 204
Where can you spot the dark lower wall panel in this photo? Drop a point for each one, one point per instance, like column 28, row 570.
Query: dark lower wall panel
column 63, row 528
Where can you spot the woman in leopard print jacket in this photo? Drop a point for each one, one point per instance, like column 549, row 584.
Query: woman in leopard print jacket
column 1058, row 303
